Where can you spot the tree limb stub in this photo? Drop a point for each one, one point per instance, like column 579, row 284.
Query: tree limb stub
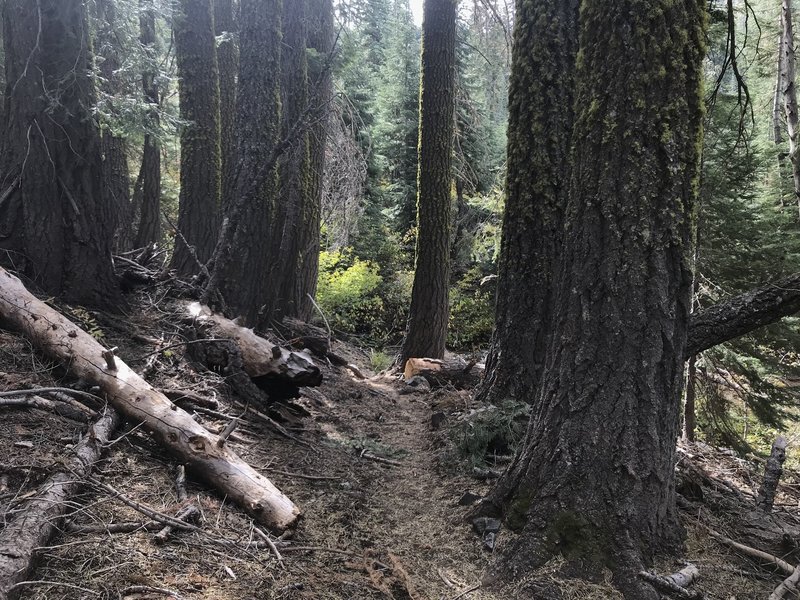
column 742, row 314
column 136, row 400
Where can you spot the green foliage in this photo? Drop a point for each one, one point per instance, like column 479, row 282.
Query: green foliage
column 491, row 430
column 345, row 290
column 747, row 236
column 471, row 311
column 379, row 361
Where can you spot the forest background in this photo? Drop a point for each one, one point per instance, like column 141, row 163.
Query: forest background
column 748, row 222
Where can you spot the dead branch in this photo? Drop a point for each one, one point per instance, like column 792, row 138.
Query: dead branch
column 138, row 401
column 37, row 524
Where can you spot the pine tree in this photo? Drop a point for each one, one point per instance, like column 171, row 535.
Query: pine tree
column 198, row 214
column 428, row 314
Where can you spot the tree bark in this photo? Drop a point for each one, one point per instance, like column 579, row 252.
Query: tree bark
column 149, row 179
column 428, row 315
column 56, row 221
column 260, row 357
column 539, row 135
column 36, row 525
column 241, row 262
column 594, row 480
column 293, row 167
column 198, row 210
column 790, row 95
column 116, row 176
column 136, row 400
column 228, row 60
column 320, row 38
column 744, row 313
column 454, row 371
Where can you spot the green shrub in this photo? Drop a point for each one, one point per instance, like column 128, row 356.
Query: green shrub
column 345, row 290
column 491, row 430
column 471, row 312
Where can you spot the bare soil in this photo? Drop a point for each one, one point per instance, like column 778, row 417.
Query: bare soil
column 378, row 486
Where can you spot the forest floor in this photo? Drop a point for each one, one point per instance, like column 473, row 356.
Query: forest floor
column 379, row 488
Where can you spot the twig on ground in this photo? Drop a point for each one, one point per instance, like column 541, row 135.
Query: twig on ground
column 271, row 545
column 146, row 589
column 787, row 585
column 753, row 552
column 467, row 591
column 301, row 475
column 53, row 583
column 145, row 510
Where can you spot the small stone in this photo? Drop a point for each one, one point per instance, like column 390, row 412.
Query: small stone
column 488, row 541
column 437, row 419
column 486, row 525
column 419, row 383
column 468, row 498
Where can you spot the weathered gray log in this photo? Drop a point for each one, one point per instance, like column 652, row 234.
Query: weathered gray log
column 260, row 357
column 456, row 371
column 742, row 314
column 203, row 452
column 772, row 474
column 36, row 524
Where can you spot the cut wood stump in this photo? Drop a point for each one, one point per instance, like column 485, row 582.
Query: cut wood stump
column 455, row 371
column 203, row 452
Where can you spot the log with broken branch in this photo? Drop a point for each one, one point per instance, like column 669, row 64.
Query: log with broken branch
column 455, row 371
column 203, row 452
column 261, row 359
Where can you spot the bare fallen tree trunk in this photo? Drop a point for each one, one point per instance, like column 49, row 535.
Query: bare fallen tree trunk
column 135, row 399
column 35, row 525
column 260, row 357
column 438, row 372
column 743, row 313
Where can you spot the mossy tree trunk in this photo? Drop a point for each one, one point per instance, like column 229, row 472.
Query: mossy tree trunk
column 228, row 60
column 56, row 222
column 594, row 480
column 539, row 135
column 116, row 176
column 428, row 315
column 294, row 166
column 147, row 196
column 241, row 264
column 198, row 87
column 320, row 40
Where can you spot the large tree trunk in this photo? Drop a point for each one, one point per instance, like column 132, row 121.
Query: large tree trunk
column 116, row 176
column 539, row 135
column 241, row 258
column 428, row 314
column 293, row 167
column 56, row 222
column 39, row 521
column 204, row 452
column 320, row 38
column 790, row 94
column 594, row 480
column 198, row 211
column 228, row 60
column 148, row 193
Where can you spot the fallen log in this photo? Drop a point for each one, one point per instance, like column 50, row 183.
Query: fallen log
column 203, row 452
column 262, row 360
column 455, row 371
column 33, row 527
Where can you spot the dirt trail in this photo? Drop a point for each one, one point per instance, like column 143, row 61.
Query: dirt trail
column 385, row 528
